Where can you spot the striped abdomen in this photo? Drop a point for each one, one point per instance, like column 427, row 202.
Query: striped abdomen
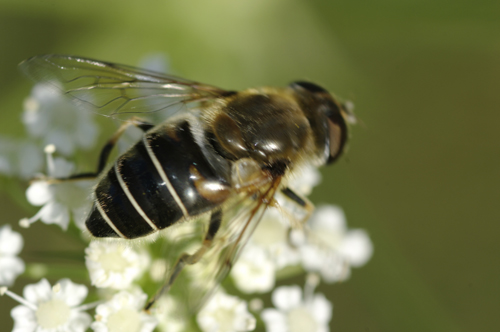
column 158, row 182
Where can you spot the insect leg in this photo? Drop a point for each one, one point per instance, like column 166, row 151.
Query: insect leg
column 304, row 204
column 186, row 259
column 106, row 150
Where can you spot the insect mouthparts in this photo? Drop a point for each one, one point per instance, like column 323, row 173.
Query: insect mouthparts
column 277, row 168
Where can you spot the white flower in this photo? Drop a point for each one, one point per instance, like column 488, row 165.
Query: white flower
column 114, row 264
column 330, row 248
column 170, row 317
column 11, row 266
column 296, row 314
column 267, row 251
column 305, row 179
column 46, row 309
column 225, row 313
column 158, row 269
column 123, row 313
column 56, row 120
column 58, row 198
column 272, row 235
column 19, row 157
column 254, row 271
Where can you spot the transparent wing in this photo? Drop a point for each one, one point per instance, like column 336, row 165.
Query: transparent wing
column 240, row 220
column 113, row 89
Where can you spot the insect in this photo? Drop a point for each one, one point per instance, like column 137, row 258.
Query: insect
column 225, row 154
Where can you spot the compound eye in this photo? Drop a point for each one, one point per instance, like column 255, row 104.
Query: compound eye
column 337, row 129
column 311, row 87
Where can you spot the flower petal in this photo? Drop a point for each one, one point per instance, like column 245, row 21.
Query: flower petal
column 275, row 320
column 321, row 308
column 10, row 268
column 79, row 322
column 30, row 160
column 71, row 293
column 357, row 247
column 55, row 213
column 62, row 168
column 307, row 178
column 328, row 218
column 39, row 193
column 86, row 131
column 287, row 297
column 24, row 319
column 113, row 264
column 225, row 313
column 39, row 292
column 62, row 140
column 124, row 308
column 11, row 242
column 334, row 268
column 312, row 257
column 254, row 271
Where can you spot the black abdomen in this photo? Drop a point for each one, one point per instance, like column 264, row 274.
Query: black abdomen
column 152, row 186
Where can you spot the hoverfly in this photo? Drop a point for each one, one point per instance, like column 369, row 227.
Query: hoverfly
column 226, row 157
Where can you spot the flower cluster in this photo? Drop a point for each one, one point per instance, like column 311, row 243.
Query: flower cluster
column 123, row 313
column 114, row 264
column 50, row 309
column 324, row 245
column 48, row 117
column 297, row 312
column 58, row 199
column 59, row 309
column 330, row 248
column 287, row 241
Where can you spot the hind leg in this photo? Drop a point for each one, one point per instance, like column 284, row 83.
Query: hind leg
column 106, row 151
column 186, row 259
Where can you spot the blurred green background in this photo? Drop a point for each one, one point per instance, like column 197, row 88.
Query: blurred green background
column 421, row 174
